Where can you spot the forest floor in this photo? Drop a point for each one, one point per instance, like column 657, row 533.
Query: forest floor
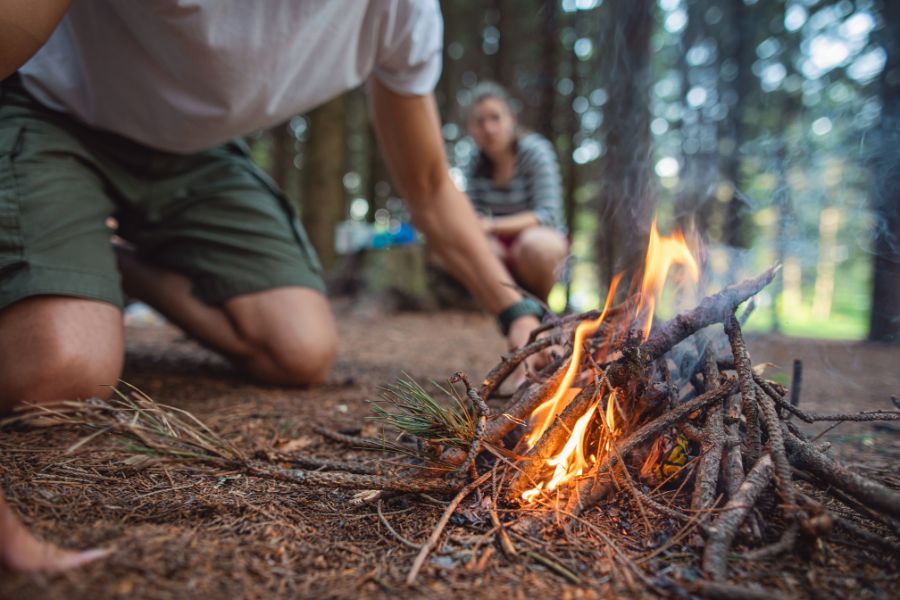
column 178, row 531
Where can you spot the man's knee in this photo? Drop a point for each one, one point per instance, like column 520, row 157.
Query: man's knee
column 55, row 348
column 302, row 359
column 71, row 370
column 290, row 334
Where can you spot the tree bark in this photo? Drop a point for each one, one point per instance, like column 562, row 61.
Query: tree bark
column 884, row 323
column 323, row 200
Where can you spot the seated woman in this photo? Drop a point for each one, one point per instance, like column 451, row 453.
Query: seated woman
column 514, row 183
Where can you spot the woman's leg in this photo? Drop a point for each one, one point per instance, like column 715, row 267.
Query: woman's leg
column 535, row 257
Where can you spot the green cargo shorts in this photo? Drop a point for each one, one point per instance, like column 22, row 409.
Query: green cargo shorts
column 213, row 216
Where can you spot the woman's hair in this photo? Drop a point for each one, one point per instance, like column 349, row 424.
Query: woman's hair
column 483, row 166
column 489, row 89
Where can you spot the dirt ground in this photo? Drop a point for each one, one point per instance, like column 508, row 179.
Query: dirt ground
column 180, row 531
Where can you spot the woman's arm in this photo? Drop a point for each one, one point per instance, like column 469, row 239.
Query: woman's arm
column 408, row 129
column 540, row 168
column 510, row 225
column 25, row 25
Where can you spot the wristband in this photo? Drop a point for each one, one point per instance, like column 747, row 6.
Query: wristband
column 525, row 306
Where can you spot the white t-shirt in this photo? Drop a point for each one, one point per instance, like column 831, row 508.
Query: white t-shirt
column 186, row 75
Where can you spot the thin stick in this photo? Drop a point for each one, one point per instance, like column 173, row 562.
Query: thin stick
column 509, row 363
column 796, row 383
column 483, row 412
column 393, row 532
column 439, row 528
column 554, row 566
column 707, row 476
column 748, row 392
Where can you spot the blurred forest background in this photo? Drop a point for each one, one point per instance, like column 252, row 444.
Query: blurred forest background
column 772, row 125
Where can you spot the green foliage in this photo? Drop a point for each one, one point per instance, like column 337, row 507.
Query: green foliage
column 406, row 406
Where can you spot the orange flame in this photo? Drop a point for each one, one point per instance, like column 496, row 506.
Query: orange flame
column 549, row 410
column 663, row 252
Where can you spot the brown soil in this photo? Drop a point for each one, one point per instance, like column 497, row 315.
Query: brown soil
column 179, row 530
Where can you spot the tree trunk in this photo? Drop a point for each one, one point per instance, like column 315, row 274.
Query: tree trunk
column 627, row 191
column 550, row 59
column 884, row 324
column 323, row 201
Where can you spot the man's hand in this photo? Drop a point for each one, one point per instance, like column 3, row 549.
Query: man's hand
column 517, row 337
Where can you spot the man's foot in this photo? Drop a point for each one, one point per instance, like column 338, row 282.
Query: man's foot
column 21, row 551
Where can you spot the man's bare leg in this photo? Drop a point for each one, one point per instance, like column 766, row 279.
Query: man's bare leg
column 284, row 336
column 21, row 551
column 536, row 255
column 53, row 348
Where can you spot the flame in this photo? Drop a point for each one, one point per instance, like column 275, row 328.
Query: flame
column 610, row 417
column 571, row 461
column 662, row 253
column 549, row 410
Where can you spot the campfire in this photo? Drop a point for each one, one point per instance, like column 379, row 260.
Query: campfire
column 670, row 418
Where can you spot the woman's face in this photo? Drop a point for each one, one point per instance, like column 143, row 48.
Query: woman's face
column 492, row 126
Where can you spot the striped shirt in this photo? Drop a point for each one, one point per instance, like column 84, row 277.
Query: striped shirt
column 535, row 185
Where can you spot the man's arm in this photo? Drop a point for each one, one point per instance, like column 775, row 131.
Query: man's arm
column 408, row 129
column 25, row 25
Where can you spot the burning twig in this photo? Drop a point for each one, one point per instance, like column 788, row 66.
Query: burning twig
column 645, row 434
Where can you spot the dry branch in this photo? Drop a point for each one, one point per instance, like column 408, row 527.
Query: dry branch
column 722, row 532
column 876, row 496
column 713, row 444
column 508, row 363
column 353, row 481
column 748, row 391
column 712, row 309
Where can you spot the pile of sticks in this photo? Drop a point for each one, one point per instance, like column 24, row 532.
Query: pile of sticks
column 750, row 453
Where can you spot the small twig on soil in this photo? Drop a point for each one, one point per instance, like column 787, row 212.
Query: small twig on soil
column 439, row 528
column 554, row 566
column 785, row 543
column 726, row 591
column 807, row 417
column 392, row 531
column 309, row 462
